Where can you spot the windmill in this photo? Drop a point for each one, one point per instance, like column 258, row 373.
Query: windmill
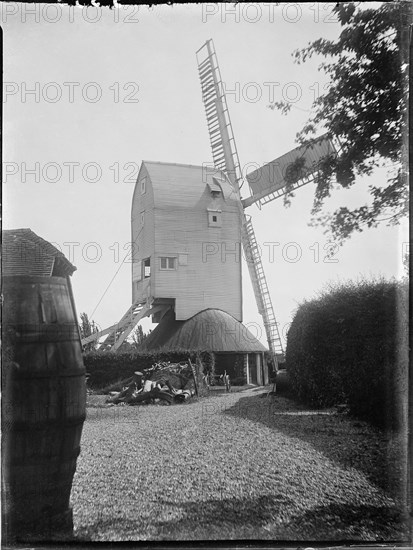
column 158, row 186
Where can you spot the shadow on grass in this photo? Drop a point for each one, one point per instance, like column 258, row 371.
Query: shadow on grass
column 264, row 517
column 180, row 519
column 347, row 521
column 346, row 441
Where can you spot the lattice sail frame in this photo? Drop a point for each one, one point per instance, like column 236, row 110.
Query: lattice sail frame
column 288, row 172
column 225, row 157
column 263, row 190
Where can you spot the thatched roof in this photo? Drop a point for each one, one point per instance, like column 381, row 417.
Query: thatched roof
column 210, row 329
column 25, row 253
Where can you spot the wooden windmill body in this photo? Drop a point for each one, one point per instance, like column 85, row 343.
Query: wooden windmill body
column 189, row 224
column 186, row 234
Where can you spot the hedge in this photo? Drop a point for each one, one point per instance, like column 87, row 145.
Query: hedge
column 350, row 346
column 106, row 368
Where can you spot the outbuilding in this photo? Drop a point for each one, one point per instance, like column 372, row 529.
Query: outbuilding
column 237, row 351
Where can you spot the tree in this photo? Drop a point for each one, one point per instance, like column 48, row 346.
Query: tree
column 134, row 341
column 365, row 110
column 87, row 328
column 138, row 336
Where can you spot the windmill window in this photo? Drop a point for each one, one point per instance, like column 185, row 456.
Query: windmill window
column 215, row 188
column 147, row 268
column 143, row 185
column 168, row 263
column 142, row 218
column 214, row 218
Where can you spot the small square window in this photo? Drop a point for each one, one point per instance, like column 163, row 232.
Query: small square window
column 214, row 218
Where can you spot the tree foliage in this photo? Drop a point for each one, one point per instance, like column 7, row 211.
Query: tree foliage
column 350, row 345
column 87, row 328
column 138, row 337
column 364, row 109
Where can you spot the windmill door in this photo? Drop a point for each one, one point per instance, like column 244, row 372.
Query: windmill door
column 252, row 365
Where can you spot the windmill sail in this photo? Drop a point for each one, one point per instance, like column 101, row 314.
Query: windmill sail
column 224, row 151
column 290, row 171
column 225, row 156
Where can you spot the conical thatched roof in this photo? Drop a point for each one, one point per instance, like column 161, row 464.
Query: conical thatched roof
column 210, row 329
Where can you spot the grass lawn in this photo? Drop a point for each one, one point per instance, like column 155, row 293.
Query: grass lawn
column 235, row 466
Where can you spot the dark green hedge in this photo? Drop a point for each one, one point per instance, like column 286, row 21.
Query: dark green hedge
column 351, row 346
column 106, row 368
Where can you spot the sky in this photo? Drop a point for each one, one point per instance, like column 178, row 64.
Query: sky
column 89, row 93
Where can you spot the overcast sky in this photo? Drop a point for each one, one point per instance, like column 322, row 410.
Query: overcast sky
column 114, row 87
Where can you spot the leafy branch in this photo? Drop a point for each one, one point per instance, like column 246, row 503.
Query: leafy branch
column 365, row 109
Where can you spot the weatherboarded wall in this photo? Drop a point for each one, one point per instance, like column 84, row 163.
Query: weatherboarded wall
column 143, row 236
column 178, row 204
column 212, row 276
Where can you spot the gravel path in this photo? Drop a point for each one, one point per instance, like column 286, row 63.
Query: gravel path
column 232, row 466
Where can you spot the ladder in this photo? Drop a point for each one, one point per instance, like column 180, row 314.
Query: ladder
column 120, row 331
column 125, row 326
column 260, row 286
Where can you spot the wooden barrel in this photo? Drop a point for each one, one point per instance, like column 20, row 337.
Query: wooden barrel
column 44, row 400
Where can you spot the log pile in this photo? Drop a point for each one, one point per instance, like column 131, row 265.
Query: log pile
column 164, row 382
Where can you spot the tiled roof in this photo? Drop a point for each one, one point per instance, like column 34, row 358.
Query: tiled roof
column 210, row 329
column 25, row 253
